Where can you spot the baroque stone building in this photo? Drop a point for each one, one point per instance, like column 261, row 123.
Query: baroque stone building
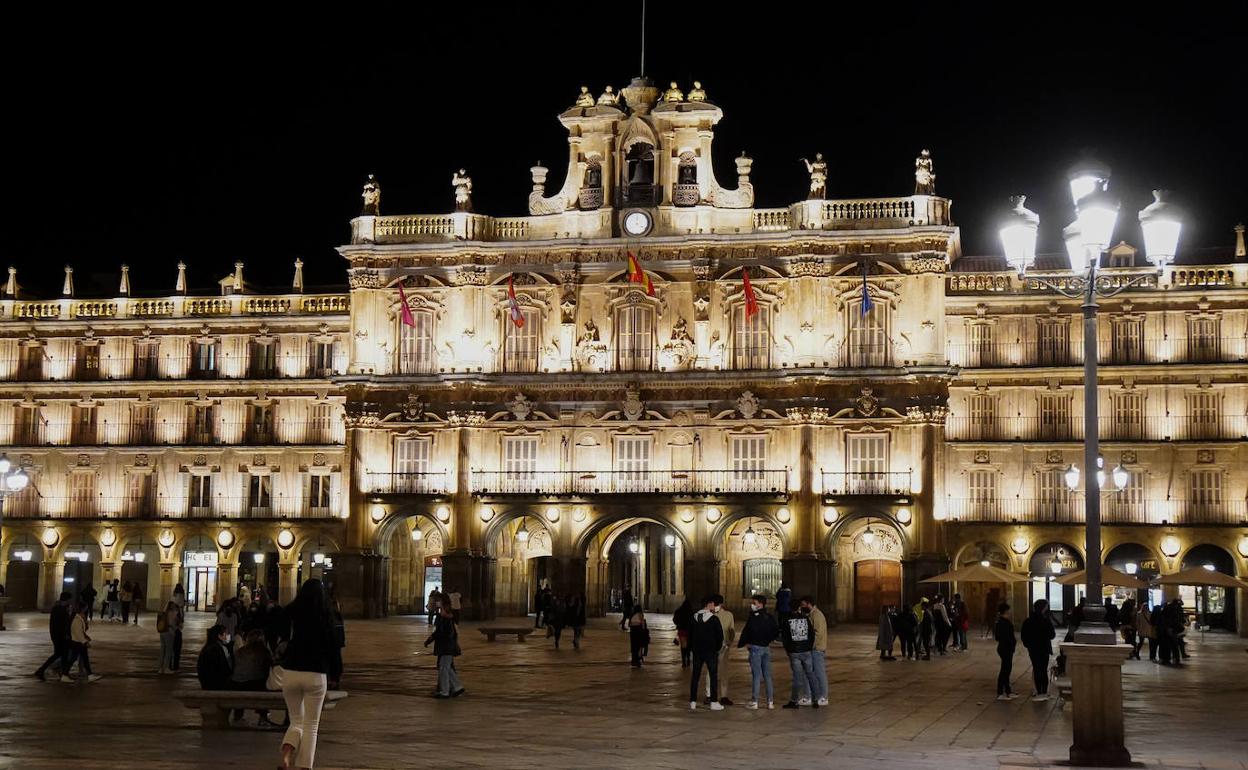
column 509, row 402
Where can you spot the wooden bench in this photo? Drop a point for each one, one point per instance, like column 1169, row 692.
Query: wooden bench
column 520, row 632
column 215, row 705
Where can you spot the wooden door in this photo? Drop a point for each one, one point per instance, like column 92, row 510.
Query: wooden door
column 877, row 583
column 23, row 585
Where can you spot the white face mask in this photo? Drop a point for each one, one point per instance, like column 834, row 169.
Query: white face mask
column 756, row 607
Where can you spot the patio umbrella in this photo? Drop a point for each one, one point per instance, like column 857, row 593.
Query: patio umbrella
column 1109, row 576
column 1199, row 576
column 977, row 573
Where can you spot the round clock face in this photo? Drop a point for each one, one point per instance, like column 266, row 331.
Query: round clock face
column 636, row 223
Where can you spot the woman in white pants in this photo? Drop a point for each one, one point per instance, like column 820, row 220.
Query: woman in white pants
column 312, row 658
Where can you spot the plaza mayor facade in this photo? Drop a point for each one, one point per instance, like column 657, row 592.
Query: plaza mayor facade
column 646, row 383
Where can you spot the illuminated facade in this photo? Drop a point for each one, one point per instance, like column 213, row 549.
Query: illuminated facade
column 598, row 437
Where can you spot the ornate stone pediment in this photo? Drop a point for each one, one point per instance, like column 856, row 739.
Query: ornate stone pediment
column 866, row 403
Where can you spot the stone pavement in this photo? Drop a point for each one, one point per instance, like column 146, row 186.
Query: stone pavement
column 531, row 706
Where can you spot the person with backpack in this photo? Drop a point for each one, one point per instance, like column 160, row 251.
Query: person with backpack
column 706, row 639
column 445, row 640
column 638, row 636
column 798, row 636
column 760, row 631
column 168, row 623
column 58, row 629
column 1037, row 636
column 556, row 617
column 1003, row 633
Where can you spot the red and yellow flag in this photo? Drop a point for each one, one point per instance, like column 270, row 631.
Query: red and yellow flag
column 751, row 300
column 517, row 317
column 637, row 275
column 405, row 312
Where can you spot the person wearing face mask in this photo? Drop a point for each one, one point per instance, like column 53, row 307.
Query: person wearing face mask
column 759, row 632
column 818, row 651
column 216, row 660
column 798, row 636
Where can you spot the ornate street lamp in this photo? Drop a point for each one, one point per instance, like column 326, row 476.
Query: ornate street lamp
column 750, row 537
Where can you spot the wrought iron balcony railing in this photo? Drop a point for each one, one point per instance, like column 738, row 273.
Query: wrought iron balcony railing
column 1116, row 508
column 595, row 482
column 408, row 483
column 34, row 506
column 866, row 483
column 1140, row 428
column 1128, row 352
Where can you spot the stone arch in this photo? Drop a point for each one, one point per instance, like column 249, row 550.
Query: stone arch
column 654, row 574
column 868, row 549
column 78, row 572
column 1062, row 598
column 749, row 568
column 520, row 565
column 405, row 560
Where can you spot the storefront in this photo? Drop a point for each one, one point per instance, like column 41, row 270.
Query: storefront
column 199, row 579
column 1049, row 563
column 1212, row 606
column 1138, row 562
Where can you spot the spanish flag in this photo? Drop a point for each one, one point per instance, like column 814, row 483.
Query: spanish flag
column 405, row 312
column 751, row 300
column 517, row 317
column 637, row 275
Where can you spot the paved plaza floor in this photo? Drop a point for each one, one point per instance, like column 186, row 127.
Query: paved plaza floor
column 529, row 705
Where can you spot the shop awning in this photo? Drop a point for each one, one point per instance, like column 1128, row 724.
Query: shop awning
column 977, row 573
column 1199, row 576
column 1109, row 576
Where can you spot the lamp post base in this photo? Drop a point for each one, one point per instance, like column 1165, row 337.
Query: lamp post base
column 1096, row 692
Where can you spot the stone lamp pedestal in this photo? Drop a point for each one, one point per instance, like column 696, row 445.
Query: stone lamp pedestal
column 1096, row 692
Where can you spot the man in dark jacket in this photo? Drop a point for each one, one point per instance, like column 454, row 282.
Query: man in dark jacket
column 759, row 632
column 1003, row 632
column 1037, row 635
column 216, row 661
column 58, row 629
column 799, row 639
column 706, row 638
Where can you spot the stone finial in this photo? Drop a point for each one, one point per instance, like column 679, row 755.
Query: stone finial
column 697, row 94
column 463, row 190
column 10, row 288
column 609, row 98
column 124, row 289
column 67, row 290
column 238, row 277
column 1239, row 241
column 673, row 94
column 372, row 198
column 180, row 285
column 585, row 99
column 297, row 284
column 539, row 173
column 744, row 164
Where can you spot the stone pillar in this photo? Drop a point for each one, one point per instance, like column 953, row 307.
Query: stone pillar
column 169, row 577
column 286, row 587
column 472, row 575
column 701, row 578
column 227, row 578
column 812, row 574
column 1096, row 692
column 51, row 580
column 356, row 585
column 927, row 554
column 110, row 570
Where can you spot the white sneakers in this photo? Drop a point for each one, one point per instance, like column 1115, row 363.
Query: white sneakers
column 717, row 706
column 804, row 702
column 1041, row 698
column 752, row 705
column 1007, row 696
column 93, row 677
column 823, row 701
column 771, row 704
column 693, row 705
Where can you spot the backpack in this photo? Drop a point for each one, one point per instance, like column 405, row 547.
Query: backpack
column 162, row 622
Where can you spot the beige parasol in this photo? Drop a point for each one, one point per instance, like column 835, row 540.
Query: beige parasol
column 1109, row 576
column 1199, row 576
column 977, row 573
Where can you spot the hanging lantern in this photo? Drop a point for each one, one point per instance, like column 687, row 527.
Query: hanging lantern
column 522, row 534
column 750, row 537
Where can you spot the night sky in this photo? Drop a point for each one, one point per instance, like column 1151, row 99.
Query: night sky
column 145, row 139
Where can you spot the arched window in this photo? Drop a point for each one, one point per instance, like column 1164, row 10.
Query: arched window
column 634, row 338
column 751, row 338
column 416, row 353
column 522, row 344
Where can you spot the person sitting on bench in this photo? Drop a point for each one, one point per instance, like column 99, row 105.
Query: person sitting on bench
column 216, row 660
column 251, row 670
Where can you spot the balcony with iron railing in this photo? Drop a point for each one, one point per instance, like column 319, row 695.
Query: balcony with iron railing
column 865, row 356
column 1140, row 428
column 866, row 483
column 405, row 483
column 166, row 433
column 610, row 482
column 100, row 506
column 1116, row 508
column 284, row 366
column 1136, row 352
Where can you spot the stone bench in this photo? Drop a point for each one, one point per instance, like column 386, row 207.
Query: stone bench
column 215, row 705
column 520, row 632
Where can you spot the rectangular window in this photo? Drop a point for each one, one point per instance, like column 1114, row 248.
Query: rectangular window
column 1053, row 342
column 322, row 359
column 143, row 424
column 1055, row 424
column 1126, row 342
column 260, row 424
column 1126, row 505
column 867, row 461
column 1128, row 415
column 751, row 339
column 983, row 416
column 319, row 493
column 82, row 499
column 321, row 424
column 522, row 344
column 749, row 461
column 86, row 361
column 868, row 336
column 980, row 350
column 200, row 495
column 82, row 431
column 32, row 363
column 200, row 430
column 1203, row 340
column 634, row 338
column 982, row 487
column 1205, row 498
column 259, row 494
column 520, row 463
column 140, row 494
column 1203, row 414
column 632, row 462
column 29, row 428
column 760, row 576
column 411, row 465
column 416, row 354
column 146, row 360
column 1054, row 495
column 204, row 360
column 262, row 360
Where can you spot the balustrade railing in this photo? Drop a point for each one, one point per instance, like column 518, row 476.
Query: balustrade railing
column 1170, row 350
column 181, row 306
column 165, row 432
column 107, row 367
column 1138, row 428
column 866, row 483
column 595, row 482
column 406, row 483
column 1116, row 508
column 166, row 507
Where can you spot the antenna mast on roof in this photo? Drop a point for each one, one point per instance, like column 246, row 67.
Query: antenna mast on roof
column 643, row 39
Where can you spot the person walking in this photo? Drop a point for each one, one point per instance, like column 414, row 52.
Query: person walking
column 1037, row 636
column 434, row 603
column 756, row 637
column 168, row 622
column 113, row 597
column 884, row 635
column 1144, row 631
column 706, row 639
column 799, row 639
column 126, row 596
column 445, row 640
column 1126, row 624
column 312, row 658
column 136, row 600
column 626, row 608
column 729, row 625
column 1003, row 633
column 576, row 618
column 79, row 645
column 556, row 617
column 1161, row 634
column 923, row 625
column 819, row 650
column 638, row 635
column 961, row 617
column 942, row 624
column 682, row 618
column 87, row 595
column 58, row 628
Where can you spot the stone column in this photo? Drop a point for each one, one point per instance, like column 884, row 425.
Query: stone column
column 806, row 569
column 227, row 579
column 110, row 570
column 701, row 578
column 168, row 577
column 51, row 580
column 286, row 587
column 1096, row 692
column 927, row 555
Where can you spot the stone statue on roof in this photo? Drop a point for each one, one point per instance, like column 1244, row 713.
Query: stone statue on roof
column 463, row 190
column 609, row 98
column 673, row 94
column 818, row 170
column 372, row 197
column 697, row 94
column 586, row 99
column 924, row 178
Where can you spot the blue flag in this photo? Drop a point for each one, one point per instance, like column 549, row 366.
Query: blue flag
column 866, row 295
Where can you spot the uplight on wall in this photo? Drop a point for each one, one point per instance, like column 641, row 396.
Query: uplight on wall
column 378, row 513
column 108, row 538
column 552, row 514
column 1170, row 546
column 50, row 537
column 686, row 516
column 1243, row 547
column 225, row 538
column 783, row 516
column 443, row 513
column 903, row 515
column 486, row 514
column 285, row 538
column 830, row 515
column 712, row 515
column 1020, row 545
column 166, row 538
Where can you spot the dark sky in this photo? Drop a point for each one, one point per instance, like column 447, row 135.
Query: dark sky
column 212, row 138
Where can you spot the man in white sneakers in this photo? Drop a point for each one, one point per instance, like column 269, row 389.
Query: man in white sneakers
column 818, row 652
column 706, row 640
column 729, row 624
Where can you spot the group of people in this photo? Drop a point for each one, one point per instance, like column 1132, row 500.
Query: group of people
column 556, row 613
column 917, row 624
column 1037, row 634
column 452, row 599
column 68, row 623
column 1164, row 626
column 119, row 602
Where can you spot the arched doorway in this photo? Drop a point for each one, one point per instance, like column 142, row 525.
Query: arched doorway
column 316, row 560
column 137, row 557
column 1213, row 606
column 82, row 566
column 1135, row 560
column 1048, row 563
column 750, row 562
column 258, row 567
column 199, row 574
column 416, row 546
column 25, row 564
column 982, row 599
column 521, row 548
column 640, row 556
column 868, row 553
